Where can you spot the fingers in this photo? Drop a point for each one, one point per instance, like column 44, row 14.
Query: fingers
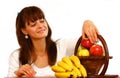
column 26, row 70
column 30, row 69
column 83, row 34
column 92, row 35
column 89, row 35
column 90, row 30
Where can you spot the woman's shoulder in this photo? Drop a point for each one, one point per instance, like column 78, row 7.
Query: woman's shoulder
column 66, row 40
column 60, row 40
column 13, row 57
column 15, row 52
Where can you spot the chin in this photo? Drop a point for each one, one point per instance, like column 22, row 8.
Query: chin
column 44, row 36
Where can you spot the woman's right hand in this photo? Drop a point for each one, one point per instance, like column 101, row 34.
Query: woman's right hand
column 90, row 30
column 25, row 70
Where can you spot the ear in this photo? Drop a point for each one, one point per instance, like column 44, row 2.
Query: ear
column 24, row 31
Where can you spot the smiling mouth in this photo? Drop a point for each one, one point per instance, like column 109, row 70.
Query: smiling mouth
column 41, row 31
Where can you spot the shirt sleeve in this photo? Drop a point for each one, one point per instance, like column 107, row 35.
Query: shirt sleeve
column 13, row 64
column 70, row 46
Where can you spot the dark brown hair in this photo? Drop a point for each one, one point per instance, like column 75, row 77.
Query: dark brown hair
column 28, row 14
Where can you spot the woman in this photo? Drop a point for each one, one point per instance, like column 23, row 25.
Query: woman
column 38, row 52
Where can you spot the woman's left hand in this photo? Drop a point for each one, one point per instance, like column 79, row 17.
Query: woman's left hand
column 90, row 30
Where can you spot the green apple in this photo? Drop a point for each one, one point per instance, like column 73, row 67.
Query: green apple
column 80, row 48
column 83, row 52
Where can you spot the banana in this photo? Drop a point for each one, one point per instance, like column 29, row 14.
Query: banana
column 75, row 60
column 83, row 71
column 63, row 74
column 67, row 61
column 74, row 74
column 57, row 69
column 64, row 65
column 77, row 71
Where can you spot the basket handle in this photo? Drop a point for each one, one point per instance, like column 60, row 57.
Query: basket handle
column 106, row 52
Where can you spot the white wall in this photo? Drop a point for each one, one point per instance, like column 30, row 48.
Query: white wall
column 65, row 18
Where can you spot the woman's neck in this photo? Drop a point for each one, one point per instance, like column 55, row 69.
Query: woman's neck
column 39, row 47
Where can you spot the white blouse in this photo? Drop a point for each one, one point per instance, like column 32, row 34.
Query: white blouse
column 65, row 47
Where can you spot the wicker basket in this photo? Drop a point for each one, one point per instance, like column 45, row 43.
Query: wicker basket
column 94, row 64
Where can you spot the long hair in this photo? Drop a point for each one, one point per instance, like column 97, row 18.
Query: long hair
column 30, row 14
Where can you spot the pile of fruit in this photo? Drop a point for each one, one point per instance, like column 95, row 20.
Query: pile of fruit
column 86, row 48
column 69, row 67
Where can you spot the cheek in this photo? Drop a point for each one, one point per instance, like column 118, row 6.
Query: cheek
column 46, row 27
column 31, row 31
column 46, row 31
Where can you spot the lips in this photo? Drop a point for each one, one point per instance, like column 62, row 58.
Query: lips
column 41, row 31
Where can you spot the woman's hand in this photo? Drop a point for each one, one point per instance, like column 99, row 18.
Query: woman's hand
column 25, row 70
column 90, row 30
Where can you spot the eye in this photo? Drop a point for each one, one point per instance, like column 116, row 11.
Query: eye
column 32, row 24
column 42, row 20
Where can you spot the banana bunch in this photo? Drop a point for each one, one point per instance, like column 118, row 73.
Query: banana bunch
column 69, row 67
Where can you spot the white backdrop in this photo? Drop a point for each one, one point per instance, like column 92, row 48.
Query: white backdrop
column 65, row 18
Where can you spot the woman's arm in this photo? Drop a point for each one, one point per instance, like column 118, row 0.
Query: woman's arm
column 89, row 30
column 18, row 71
column 70, row 44
column 13, row 64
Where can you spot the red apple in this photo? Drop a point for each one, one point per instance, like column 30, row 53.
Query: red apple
column 96, row 50
column 86, row 43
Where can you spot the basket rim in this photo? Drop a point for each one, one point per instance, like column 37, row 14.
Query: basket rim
column 94, row 57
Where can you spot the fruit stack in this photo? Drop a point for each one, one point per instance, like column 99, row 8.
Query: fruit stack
column 69, row 67
column 86, row 48
column 93, row 56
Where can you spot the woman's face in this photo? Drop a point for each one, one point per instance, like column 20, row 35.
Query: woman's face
column 37, row 29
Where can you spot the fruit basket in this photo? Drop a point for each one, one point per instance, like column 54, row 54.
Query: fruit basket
column 95, row 65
